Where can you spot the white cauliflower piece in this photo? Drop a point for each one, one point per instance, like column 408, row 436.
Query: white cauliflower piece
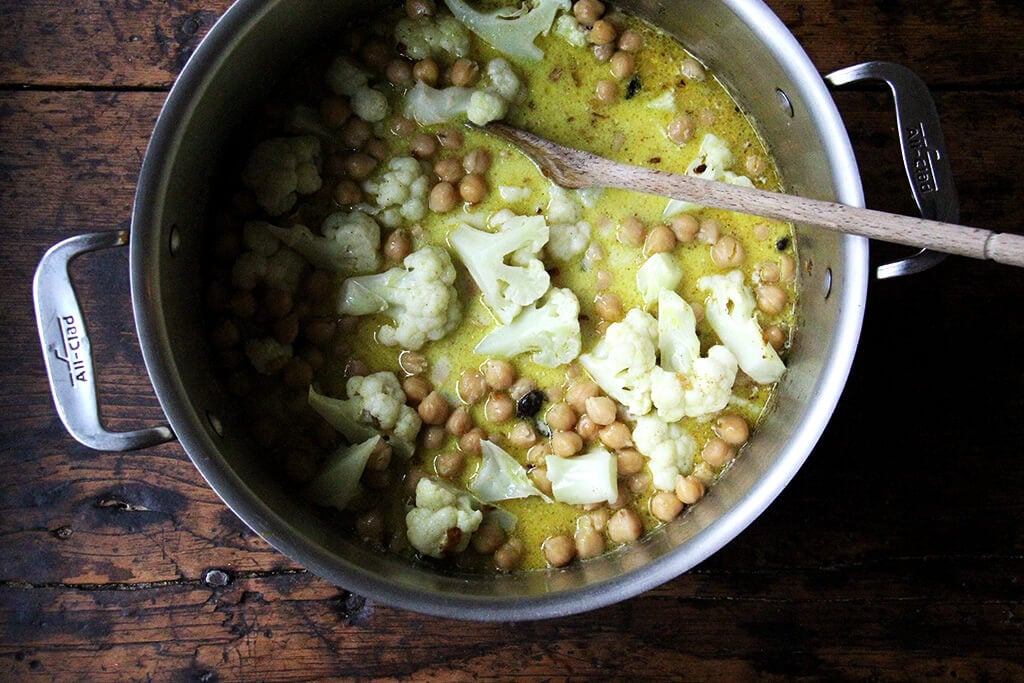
column 435, row 36
column 489, row 101
column 443, row 520
column 511, row 31
column 349, row 242
column 623, row 359
column 506, row 287
column 584, row 479
column 569, row 235
column 337, row 482
column 569, row 29
column 280, row 169
column 266, row 261
column 550, row 329
column 345, row 77
column 485, row 106
column 375, row 405
column 285, row 269
column 400, row 192
column 267, row 354
column 731, row 310
column 420, row 297
column 669, row 448
column 501, row 477
column 660, row 272
column 712, row 163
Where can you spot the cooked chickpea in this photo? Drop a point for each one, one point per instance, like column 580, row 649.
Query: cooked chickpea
column 625, row 526
column 685, row 227
column 587, row 428
column 680, row 129
column 602, row 53
column 477, row 161
column 509, row 555
column 380, row 458
column 717, row 453
column 411, row 481
column 286, row 330
column 521, row 387
column 559, row 550
column 762, row 231
column 603, row 280
column 597, row 519
column 710, row 230
column 693, row 69
column 376, row 54
column 560, row 416
column 588, row 11
column 787, row 268
column 443, row 197
column 602, row 32
column 665, row 506
column 755, row 165
column 470, row 441
column 426, row 71
column 488, row 538
column 607, row 91
column 522, row 434
column 539, row 477
column 450, row 138
column 335, row 111
column 732, row 429
column 727, row 252
column 433, row 409
column 499, row 374
column 423, row 145
column 639, row 482
column 608, row 306
column 399, row 72
column 450, row 464
column 660, row 240
column 774, row 335
column 771, row 299
column 397, row 245
column 464, row 72
column 277, row 303
column 459, row 422
column 631, row 232
column 601, row 410
column 629, row 461
column 589, row 542
column 473, row 188
column 622, row 64
column 297, row 373
column 416, row 388
column 402, row 127
column 356, row 133
column 449, row 170
column 536, row 453
column 616, row 435
column 433, row 436
column 630, row 41
column 769, row 272
column 689, row 489
column 472, row 386
column 566, row 444
column 415, row 9
column 578, row 393
column 499, row 407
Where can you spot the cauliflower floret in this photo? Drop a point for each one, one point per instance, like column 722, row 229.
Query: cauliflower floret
column 345, row 77
column 570, row 236
column 569, row 29
column 659, row 272
column 511, row 31
column 489, row 101
column 506, row 288
column 442, row 521
column 267, row 354
column 400, row 192
column 350, row 242
column 375, row 405
column 584, row 479
column 338, row 480
column 669, row 448
column 280, row 169
column 550, row 329
column 712, row 163
column 623, row 359
column 435, row 36
column 419, row 297
column 731, row 310
column 266, row 261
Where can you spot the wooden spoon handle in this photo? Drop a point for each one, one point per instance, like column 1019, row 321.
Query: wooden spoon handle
column 917, row 232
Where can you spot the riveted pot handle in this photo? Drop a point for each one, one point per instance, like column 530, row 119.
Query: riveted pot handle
column 924, row 152
column 67, row 352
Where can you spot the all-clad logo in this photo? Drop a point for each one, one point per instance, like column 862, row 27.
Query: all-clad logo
column 920, row 159
column 72, row 354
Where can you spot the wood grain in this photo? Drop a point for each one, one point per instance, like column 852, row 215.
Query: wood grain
column 895, row 554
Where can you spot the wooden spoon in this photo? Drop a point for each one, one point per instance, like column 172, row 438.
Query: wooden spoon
column 574, row 169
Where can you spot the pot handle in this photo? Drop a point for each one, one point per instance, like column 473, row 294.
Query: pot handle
column 67, row 352
column 924, row 152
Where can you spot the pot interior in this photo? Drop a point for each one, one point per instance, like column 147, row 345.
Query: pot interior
column 236, row 67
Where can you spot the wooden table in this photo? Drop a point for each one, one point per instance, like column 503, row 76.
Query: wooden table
column 897, row 553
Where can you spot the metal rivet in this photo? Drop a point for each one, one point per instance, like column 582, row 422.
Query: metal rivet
column 828, row 282
column 175, row 240
column 215, row 423
column 784, row 102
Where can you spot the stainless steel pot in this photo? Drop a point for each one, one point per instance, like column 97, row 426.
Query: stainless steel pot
column 756, row 57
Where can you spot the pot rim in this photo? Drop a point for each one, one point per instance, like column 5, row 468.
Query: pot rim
column 148, row 237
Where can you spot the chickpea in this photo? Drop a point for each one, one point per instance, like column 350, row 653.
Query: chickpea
column 589, row 542
column 297, row 373
column 539, row 477
column 732, row 429
column 685, row 227
column 602, row 32
column 443, row 197
column 397, row 245
column 579, row 392
column 588, row 11
column 472, row 386
column 639, row 482
column 624, row 526
column 536, row 453
column 376, row 54
column 464, row 72
column 433, row 409
column 717, row 453
column 356, row 368
column 660, row 240
column 608, row 306
column 630, row 41
column 433, row 437
column 450, row 138
column 689, row 489
column 402, row 127
column 559, row 550
column 450, row 464
column 692, row 69
column 319, row 331
column 597, row 519
column 521, row 387
column 587, row 428
column 423, row 145
column 771, row 299
column 560, row 416
column 755, row 165
column 727, row 252
column 380, row 458
column 499, row 374
column 606, row 91
column 769, row 272
column 356, row 133
column 459, row 422
column 449, row 170
column 603, row 280
column 416, row 9
column 499, row 407
column 427, row 71
column 347, row 192
column 399, row 72
column 665, row 506
column 335, row 111
column 477, row 161
column 566, row 444
column 488, row 538
column 787, row 268
column 710, row 230
column 473, row 188
column 286, row 330
column 470, row 441
column 775, row 336
column 631, row 232
column 680, row 129
column 603, row 53
column 359, row 165
column 412, row 480
column 622, row 64
column 630, row 461
column 509, row 555
column 762, row 231
column 601, row 410
column 416, row 389
column 616, row 435
column 522, row 434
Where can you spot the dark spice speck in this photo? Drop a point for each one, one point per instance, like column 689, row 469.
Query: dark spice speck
column 633, row 87
column 782, row 244
column 529, row 405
